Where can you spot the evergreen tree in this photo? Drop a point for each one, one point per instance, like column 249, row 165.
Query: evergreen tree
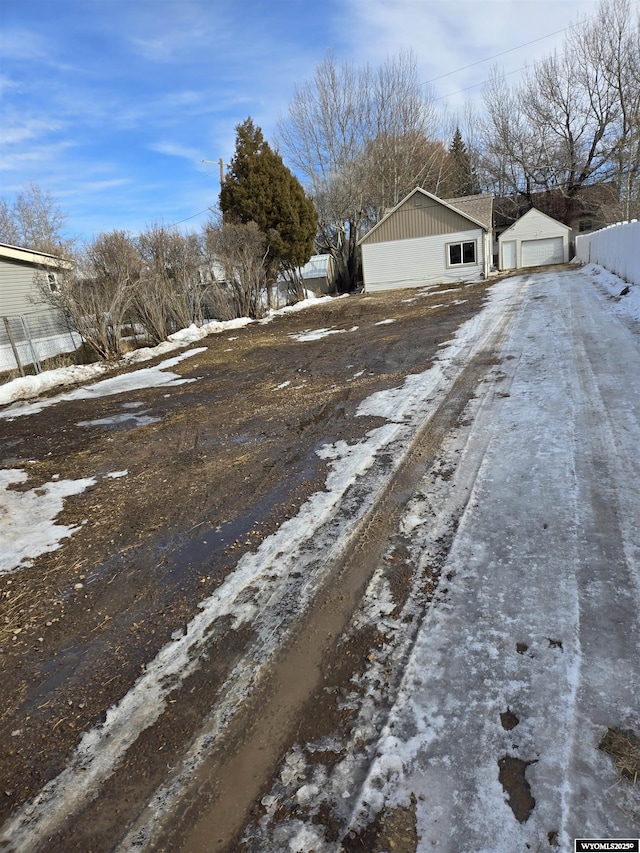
column 259, row 188
column 464, row 180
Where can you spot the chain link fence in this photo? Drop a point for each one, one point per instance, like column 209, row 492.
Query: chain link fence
column 29, row 339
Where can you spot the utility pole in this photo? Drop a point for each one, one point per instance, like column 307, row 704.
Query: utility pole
column 220, row 162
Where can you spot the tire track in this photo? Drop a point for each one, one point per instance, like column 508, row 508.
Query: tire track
column 219, row 798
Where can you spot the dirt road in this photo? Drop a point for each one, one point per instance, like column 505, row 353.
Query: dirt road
column 227, row 459
column 209, row 660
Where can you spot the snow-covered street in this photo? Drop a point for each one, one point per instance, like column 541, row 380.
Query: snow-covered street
column 534, row 651
column 438, row 638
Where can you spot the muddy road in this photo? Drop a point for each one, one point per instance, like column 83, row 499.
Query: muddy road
column 213, row 467
column 359, row 578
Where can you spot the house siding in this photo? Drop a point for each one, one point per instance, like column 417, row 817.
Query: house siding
column 417, row 261
column 18, row 291
column 419, row 216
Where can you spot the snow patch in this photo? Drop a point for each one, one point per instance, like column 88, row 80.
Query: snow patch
column 21, row 543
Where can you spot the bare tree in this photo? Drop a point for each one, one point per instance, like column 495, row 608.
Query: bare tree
column 168, row 294
column 572, row 121
column 612, row 40
column 356, row 134
column 9, row 227
column 96, row 294
column 34, row 221
column 239, row 256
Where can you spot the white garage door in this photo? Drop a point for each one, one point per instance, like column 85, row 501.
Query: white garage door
column 536, row 253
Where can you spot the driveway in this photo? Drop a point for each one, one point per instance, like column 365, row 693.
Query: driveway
column 363, row 577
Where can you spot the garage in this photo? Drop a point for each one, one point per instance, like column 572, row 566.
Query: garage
column 534, row 240
column 536, row 253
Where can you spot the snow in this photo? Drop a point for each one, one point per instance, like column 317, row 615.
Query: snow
column 627, row 306
column 146, row 377
column 318, row 334
column 21, row 543
column 32, row 386
column 524, row 549
column 615, row 248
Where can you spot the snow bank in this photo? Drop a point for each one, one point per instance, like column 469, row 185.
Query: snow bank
column 146, row 377
column 626, row 297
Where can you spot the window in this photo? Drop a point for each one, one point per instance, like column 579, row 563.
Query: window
column 585, row 225
column 52, row 281
column 462, row 253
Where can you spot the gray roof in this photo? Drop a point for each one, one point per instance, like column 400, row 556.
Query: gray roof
column 316, row 267
column 479, row 207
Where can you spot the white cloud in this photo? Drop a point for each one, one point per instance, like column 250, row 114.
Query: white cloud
column 173, row 149
column 193, row 30
column 24, row 44
column 36, row 158
column 24, row 129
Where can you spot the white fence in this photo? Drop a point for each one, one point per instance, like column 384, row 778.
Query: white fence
column 615, row 248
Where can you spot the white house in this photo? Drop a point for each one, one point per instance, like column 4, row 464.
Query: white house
column 533, row 240
column 425, row 239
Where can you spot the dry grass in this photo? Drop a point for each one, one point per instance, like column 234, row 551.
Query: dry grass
column 624, row 749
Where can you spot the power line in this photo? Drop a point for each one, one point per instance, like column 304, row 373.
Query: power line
column 503, row 53
column 483, row 82
column 187, row 218
column 497, row 55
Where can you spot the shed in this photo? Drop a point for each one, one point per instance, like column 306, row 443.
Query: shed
column 318, row 274
column 533, row 240
column 425, row 240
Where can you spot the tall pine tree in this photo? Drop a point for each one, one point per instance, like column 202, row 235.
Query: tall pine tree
column 259, row 188
column 464, row 180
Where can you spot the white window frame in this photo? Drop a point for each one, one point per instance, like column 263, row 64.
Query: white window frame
column 461, row 244
column 52, row 281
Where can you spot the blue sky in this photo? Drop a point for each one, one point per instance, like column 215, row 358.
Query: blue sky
column 110, row 105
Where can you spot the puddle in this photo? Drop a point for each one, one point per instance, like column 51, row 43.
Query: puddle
column 124, row 421
column 247, row 439
column 57, row 671
column 205, row 551
column 69, row 670
column 513, row 780
column 129, row 419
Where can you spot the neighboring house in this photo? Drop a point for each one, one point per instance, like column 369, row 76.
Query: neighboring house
column 534, row 240
column 30, row 329
column 19, row 267
column 426, row 240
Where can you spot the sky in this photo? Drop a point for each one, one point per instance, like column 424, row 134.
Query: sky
column 112, row 105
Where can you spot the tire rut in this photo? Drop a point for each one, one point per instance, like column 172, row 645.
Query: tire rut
column 214, row 809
